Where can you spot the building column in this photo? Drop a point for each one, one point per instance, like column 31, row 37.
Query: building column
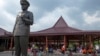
column 5, row 44
column 33, row 39
column 65, row 41
column 83, row 40
column 94, row 40
column 11, row 43
column 90, row 42
column 46, row 42
column 98, row 39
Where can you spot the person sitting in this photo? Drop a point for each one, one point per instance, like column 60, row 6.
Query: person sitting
column 50, row 50
column 84, row 50
column 90, row 50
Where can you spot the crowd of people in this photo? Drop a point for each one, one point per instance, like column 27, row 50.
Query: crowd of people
column 62, row 50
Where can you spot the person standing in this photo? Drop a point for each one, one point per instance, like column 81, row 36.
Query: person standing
column 63, row 49
column 21, row 29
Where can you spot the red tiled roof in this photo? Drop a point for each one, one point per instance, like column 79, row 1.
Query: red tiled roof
column 3, row 32
column 59, row 28
column 60, row 23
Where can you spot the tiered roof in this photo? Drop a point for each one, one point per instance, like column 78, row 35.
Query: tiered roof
column 3, row 32
column 60, row 28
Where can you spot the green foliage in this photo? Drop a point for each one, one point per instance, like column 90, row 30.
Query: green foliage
column 96, row 42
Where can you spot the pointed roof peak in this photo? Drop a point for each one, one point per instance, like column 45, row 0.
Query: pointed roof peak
column 61, row 23
column 61, row 17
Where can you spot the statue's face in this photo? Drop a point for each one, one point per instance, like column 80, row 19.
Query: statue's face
column 24, row 7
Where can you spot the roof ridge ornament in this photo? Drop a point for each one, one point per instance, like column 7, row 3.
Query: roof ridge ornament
column 60, row 23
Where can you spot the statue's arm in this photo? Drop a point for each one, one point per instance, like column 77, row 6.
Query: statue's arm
column 29, row 20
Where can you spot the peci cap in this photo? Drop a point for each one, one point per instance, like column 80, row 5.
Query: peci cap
column 24, row 2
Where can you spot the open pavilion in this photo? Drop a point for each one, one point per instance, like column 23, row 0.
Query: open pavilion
column 5, row 39
column 60, row 34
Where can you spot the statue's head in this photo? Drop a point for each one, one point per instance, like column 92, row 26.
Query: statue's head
column 25, row 4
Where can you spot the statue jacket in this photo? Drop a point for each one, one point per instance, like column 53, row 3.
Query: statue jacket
column 22, row 24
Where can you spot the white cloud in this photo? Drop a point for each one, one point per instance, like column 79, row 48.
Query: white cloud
column 2, row 4
column 8, row 21
column 50, row 18
column 46, row 21
column 9, row 17
column 90, row 19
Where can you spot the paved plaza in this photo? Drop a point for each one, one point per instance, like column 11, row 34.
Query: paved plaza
column 9, row 53
column 6, row 53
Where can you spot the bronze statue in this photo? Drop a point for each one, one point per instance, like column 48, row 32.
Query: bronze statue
column 21, row 29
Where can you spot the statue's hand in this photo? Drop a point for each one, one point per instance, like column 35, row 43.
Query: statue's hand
column 23, row 17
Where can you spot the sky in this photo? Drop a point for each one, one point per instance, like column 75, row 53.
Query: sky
column 80, row 14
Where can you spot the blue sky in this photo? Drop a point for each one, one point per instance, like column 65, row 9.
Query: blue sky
column 81, row 14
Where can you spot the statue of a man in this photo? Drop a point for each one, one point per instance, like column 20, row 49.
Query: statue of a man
column 21, row 29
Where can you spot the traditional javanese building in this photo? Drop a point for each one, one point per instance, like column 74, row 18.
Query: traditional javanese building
column 60, row 34
column 5, row 39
